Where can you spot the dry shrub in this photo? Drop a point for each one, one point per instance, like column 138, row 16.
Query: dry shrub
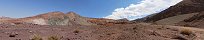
column 36, row 37
column 186, row 31
column 53, row 38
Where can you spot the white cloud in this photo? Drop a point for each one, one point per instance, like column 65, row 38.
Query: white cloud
column 144, row 8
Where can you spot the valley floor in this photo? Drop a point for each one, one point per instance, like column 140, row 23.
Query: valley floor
column 139, row 31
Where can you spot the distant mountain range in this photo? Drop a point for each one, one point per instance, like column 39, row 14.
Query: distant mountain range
column 60, row 18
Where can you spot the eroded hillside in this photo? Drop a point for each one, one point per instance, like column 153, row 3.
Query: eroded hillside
column 186, row 13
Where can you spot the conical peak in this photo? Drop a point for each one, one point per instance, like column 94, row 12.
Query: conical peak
column 72, row 14
column 56, row 12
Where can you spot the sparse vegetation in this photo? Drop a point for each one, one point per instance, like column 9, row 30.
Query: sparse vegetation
column 36, row 37
column 186, row 31
column 53, row 38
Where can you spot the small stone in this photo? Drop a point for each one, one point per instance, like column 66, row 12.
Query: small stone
column 12, row 35
column 76, row 31
column 16, row 33
column 30, row 31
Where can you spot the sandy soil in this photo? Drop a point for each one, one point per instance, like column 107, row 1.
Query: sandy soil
column 138, row 31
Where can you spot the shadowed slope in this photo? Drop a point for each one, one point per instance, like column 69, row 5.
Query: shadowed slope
column 184, row 7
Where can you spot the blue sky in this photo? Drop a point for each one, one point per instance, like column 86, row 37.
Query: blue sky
column 88, row 8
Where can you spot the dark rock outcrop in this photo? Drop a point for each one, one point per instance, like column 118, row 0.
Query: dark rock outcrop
column 184, row 7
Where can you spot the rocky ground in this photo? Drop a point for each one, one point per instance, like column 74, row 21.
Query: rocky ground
column 137, row 31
